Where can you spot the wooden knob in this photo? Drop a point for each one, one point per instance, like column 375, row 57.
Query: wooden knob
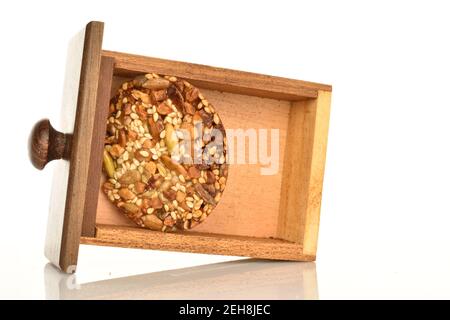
column 46, row 144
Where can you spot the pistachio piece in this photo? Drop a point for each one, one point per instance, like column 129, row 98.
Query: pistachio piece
column 171, row 138
column 108, row 164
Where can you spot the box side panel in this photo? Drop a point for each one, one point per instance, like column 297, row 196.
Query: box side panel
column 98, row 137
column 130, row 237
column 304, row 168
column 61, row 167
column 218, row 78
column 66, row 214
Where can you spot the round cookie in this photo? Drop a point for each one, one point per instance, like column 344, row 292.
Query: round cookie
column 164, row 154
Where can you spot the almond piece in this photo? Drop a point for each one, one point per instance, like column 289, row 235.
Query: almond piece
column 152, row 222
column 130, row 208
column 156, row 84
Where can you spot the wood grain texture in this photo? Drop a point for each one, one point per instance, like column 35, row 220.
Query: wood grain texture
column 81, row 146
column 131, row 237
column 98, row 135
column 241, row 279
column 250, row 203
column 220, row 79
column 304, row 170
column 61, row 168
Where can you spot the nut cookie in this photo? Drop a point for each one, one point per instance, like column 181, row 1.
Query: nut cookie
column 164, row 153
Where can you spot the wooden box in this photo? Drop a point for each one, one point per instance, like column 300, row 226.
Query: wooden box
column 261, row 216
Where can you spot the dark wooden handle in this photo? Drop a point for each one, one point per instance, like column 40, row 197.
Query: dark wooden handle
column 46, row 144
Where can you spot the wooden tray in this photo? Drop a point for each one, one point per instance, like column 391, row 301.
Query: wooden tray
column 272, row 216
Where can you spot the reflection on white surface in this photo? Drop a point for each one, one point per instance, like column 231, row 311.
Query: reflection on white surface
column 242, row 279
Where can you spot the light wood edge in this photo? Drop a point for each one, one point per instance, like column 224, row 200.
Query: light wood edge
column 81, row 147
column 301, row 192
column 98, row 137
column 130, row 237
column 219, row 78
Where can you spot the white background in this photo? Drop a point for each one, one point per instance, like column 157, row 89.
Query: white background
column 385, row 209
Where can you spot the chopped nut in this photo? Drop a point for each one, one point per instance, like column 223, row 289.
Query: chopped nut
column 170, row 138
column 126, row 194
column 140, row 187
column 192, row 94
column 193, row 172
column 156, row 203
column 156, row 84
column 152, row 222
column 131, row 208
column 116, row 150
column 129, row 177
column 108, row 164
column 150, row 168
column 164, row 109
